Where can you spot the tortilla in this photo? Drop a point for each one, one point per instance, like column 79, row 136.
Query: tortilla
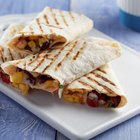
column 62, row 65
column 98, row 88
column 7, row 54
column 50, row 27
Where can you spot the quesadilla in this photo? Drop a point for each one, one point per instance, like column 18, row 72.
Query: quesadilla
column 58, row 67
column 7, row 54
column 50, row 27
column 98, row 88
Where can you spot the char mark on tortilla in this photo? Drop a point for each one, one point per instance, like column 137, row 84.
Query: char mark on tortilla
column 12, row 57
column 60, row 51
column 103, row 86
column 72, row 16
column 1, row 54
column 63, row 18
column 103, row 78
column 54, row 17
column 101, row 70
column 39, row 64
column 79, row 51
column 39, row 25
column 47, row 21
column 67, row 54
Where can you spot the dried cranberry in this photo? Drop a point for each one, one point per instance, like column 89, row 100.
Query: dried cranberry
column 42, row 79
column 103, row 97
column 92, row 99
column 28, row 48
column 115, row 100
column 5, row 78
column 45, row 45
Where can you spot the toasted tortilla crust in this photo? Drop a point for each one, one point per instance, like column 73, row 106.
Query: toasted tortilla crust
column 54, row 24
column 71, row 61
column 101, row 80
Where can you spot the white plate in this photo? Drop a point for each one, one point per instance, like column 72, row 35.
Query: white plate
column 78, row 121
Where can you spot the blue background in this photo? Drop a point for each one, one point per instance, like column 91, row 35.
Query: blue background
column 18, row 123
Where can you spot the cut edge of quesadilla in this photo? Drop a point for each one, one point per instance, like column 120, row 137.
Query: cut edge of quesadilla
column 69, row 62
column 50, row 27
column 35, row 44
column 25, row 80
column 7, row 54
column 99, row 88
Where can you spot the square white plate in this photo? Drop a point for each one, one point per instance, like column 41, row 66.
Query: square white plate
column 78, row 121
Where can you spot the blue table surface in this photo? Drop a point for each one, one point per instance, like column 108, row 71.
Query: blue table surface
column 18, row 123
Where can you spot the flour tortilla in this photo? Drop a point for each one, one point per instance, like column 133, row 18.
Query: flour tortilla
column 55, row 25
column 7, row 54
column 67, row 63
column 101, row 80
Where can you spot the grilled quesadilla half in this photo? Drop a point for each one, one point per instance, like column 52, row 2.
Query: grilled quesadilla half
column 50, row 27
column 58, row 67
column 7, row 54
column 99, row 88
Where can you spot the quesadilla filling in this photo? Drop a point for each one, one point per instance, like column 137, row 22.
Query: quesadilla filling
column 23, row 80
column 36, row 44
column 5, row 78
column 93, row 99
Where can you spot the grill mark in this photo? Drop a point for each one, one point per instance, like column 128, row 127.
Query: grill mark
column 101, row 70
column 10, row 54
column 60, row 63
column 77, row 54
column 72, row 17
column 32, row 32
column 103, row 78
column 54, row 17
column 79, row 51
column 63, row 17
column 38, row 23
column 5, row 59
column 48, row 56
column 105, row 87
column 1, row 53
column 48, row 66
column 39, row 64
column 53, row 59
column 33, row 60
column 47, row 21
column 49, row 51
column 24, row 65
column 85, row 84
